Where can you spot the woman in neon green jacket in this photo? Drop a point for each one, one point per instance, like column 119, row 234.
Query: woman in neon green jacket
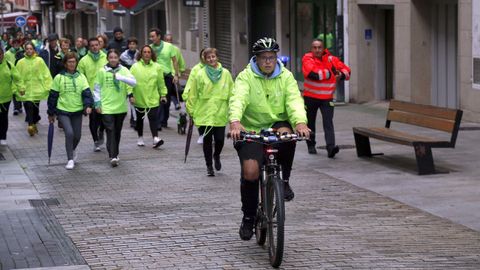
column 9, row 77
column 148, row 93
column 38, row 82
column 113, row 85
column 207, row 103
column 69, row 98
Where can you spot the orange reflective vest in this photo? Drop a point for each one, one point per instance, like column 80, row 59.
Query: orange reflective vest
column 325, row 67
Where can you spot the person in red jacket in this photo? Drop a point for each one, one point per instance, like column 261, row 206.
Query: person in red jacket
column 321, row 71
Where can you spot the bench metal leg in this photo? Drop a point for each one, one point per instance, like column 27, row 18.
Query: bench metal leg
column 362, row 143
column 424, row 156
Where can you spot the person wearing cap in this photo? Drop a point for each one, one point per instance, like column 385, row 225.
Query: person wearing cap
column 118, row 43
column 48, row 54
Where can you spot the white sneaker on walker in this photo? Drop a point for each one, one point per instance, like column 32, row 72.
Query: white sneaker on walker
column 157, row 142
column 140, row 141
column 3, row 142
column 70, row 165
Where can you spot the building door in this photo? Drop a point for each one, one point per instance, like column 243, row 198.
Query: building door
column 384, row 26
column 389, row 53
column 222, row 33
column 444, row 54
column 262, row 22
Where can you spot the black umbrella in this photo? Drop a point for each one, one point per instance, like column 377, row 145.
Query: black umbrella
column 189, row 138
column 50, row 140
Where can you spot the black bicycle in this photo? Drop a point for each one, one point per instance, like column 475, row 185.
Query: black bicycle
column 270, row 218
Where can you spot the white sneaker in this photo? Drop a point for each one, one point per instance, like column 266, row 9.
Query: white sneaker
column 140, row 141
column 157, row 142
column 70, row 165
column 75, row 156
column 3, row 142
column 96, row 147
column 114, row 162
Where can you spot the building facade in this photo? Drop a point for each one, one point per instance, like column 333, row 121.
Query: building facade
column 422, row 51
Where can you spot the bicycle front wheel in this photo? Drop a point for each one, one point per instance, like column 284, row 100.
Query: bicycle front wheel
column 275, row 220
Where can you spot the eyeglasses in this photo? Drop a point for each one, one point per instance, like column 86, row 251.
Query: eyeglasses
column 267, row 59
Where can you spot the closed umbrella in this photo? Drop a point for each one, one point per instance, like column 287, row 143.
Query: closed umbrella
column 50, row 140
column 189, row 138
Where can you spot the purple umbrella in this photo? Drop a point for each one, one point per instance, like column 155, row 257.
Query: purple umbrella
column 189, row 138
column 50, row 141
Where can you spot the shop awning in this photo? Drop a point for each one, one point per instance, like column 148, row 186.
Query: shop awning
column 143, row 5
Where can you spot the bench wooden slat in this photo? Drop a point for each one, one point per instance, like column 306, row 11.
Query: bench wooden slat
column 423, row 121
column 395, row 136
column 425, row 110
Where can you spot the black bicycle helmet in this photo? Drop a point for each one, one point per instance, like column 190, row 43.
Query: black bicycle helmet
column 265, row 45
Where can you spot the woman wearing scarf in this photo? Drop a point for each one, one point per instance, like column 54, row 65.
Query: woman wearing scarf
column 148, row 93
column 112, row 86
column 207, row 104
column 69, row 98
column 38, row 82
column 9, row 77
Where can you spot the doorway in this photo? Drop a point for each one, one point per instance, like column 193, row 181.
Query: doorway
column 444, row 92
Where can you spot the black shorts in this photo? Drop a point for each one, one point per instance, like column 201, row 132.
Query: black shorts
column 252, row 150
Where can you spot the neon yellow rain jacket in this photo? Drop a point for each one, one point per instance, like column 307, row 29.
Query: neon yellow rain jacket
column 150, row 84
column 259, row 101
column 36, row 76
column 90, row 64
column 207, row 102
column 9, row 79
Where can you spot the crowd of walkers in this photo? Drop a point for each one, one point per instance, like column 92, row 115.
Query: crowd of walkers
column 115, row 77
column 95, row 77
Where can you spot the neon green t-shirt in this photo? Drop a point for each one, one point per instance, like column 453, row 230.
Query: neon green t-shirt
column 165, row 51
column 70, row 88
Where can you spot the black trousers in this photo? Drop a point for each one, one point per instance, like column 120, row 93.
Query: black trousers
column 113, row 126
column 96, row 125
column 4, row 119
column 17, row 105
column 32, row 112
column 164, row 111
column 152, row 114
column 213, row 133
column 326, row 109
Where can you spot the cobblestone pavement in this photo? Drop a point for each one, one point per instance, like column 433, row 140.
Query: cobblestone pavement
column 155, row 212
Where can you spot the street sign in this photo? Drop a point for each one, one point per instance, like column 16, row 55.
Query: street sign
column 32, row 21
column 20, row 21
column 191, row 3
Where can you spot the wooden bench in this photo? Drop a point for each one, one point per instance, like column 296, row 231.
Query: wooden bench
column 442, row 119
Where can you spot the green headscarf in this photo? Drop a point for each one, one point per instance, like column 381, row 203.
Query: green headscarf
column 214, row 74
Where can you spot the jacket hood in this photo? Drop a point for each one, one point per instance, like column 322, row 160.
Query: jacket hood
column 276, row 72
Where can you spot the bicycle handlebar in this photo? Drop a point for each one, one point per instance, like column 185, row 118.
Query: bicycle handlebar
column 269, row 136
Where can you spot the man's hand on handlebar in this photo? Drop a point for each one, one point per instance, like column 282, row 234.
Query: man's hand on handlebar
column 235, row 128
column 303, row 130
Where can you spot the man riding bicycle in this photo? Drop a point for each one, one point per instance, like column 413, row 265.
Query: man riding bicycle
column 265, row 95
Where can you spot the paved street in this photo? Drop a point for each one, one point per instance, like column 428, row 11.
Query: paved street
column 155, row 212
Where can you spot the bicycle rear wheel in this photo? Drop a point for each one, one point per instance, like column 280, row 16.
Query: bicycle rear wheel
column 275, row 220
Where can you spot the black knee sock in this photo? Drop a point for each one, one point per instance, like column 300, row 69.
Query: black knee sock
column 249, row 194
